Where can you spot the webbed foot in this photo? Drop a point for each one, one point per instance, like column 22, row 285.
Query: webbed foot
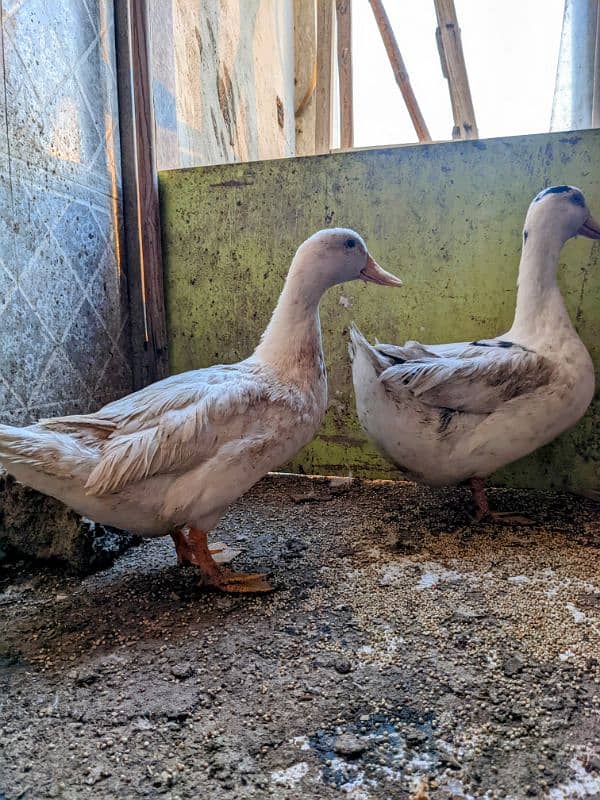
column 192, row 548
column 483, row 513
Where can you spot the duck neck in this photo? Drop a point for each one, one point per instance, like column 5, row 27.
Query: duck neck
column 540, row 308
column 291, row 343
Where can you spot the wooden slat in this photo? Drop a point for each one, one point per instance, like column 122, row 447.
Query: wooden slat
column 140, row 194
column 400, row 71
column 323, row 88
column 343, row 9
column 305, row 75
column 455, row 70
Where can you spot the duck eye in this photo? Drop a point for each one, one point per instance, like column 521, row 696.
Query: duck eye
column 350, row 243
column 577, row 199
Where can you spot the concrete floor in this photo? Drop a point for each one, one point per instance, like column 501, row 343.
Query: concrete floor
column 403, row 655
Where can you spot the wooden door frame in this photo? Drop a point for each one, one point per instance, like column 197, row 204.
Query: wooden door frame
column 141, row 210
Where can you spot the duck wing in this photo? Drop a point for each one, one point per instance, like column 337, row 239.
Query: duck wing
column 475, row 377
column 173, row 424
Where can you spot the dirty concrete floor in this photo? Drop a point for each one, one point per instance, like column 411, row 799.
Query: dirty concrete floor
column 402, row 655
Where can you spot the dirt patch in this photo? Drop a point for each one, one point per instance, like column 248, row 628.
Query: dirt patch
column 403, row 655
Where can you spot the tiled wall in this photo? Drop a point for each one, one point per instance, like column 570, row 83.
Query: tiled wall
column 64, row 334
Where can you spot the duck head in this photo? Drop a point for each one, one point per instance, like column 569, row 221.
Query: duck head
column 338, row 255
column 562, row 210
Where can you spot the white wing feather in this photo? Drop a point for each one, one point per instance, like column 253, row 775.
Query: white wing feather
column 469, row 378
column 173, row 424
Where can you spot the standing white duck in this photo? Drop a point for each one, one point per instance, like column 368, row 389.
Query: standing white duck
column 170, row 458
column 450, row 413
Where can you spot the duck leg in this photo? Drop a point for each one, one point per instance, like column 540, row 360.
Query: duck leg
column 482, row 508
column 181, row 545
column 192, row 548
column 221, row 552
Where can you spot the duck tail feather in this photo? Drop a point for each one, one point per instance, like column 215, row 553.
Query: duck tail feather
column 44, row 451
column 359, row 344
column 357, row 341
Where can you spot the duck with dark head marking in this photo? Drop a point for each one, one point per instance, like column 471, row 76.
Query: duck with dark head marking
column 449, row 413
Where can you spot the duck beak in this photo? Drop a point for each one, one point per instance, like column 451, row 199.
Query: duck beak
column 590, row 228
column 375, row 274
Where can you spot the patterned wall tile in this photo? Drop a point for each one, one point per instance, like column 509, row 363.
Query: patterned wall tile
column 13, row 408
column 26, row 344
column 7, row 279
column 60, row 87
column 59, row 385
column 64, row 329
column 3, row 135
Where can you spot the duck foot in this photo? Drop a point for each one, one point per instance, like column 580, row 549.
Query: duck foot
column 483, row 513
column 192, row 548
column 240, row 582
column 503, row 518
column 221, row 552
column 507, row 518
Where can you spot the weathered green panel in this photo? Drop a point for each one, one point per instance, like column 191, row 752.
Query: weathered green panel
column 446, row 218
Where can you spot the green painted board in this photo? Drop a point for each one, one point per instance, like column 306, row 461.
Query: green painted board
column 446, row 218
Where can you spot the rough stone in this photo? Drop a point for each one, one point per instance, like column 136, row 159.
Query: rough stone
column 349, row 746
column 512, row 666
column 36, row 526
column 343, row 666
column 182, row 671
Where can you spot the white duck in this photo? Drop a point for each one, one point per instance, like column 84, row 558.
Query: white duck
column 450, row 413
column 171, row 457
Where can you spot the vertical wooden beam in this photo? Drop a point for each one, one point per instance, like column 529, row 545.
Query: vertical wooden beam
column 400, row 71
column 140, row 194
column 455, row 70
column 343, row 9
column 323, row 87
column 305, row 74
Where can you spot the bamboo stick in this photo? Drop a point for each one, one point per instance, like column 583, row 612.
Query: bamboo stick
column 324, row 64
column 400, row 71
column 343, row 9
column 455, row 70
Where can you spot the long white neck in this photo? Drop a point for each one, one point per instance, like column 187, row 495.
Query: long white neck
column 291, row 344
column 540, row 310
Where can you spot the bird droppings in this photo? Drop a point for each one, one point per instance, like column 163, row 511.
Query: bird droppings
column 291, row 776
column 582, row 783
column 404, row 655
column 578, row 615
column 434, row 573
column 518, row 579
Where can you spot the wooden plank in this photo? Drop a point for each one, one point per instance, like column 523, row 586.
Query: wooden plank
column 400, row 71
column 141, row 214
column 343, row 9
column 324, row 64
column 305, row 75
column 455, row 70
